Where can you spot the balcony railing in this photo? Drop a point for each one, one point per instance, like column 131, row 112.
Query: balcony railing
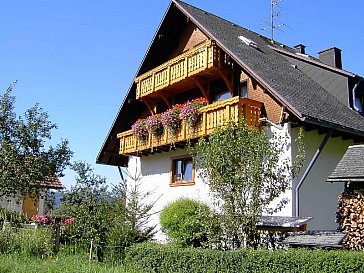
column 196, row 60
column 212, row 116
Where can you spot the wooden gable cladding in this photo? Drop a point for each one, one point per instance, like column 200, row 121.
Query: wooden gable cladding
column 274, row 110
column 189, row 38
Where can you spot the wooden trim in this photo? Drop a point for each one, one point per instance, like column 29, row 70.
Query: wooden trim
column 184, row 183
column 191, row 183
column 202, row 88
column 169, row 105
column 149, row 105
column 227, row 81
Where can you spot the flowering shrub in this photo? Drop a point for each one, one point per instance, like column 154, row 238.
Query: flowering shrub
column 47, row 220
column 171, row 118
column 155, row 125
column 140, row 129
column 40, row 219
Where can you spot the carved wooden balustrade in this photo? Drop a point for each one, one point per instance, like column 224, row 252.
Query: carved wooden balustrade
column 212, row 116
column 192, row 62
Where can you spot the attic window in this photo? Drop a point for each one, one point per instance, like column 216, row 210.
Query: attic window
column 248, row 42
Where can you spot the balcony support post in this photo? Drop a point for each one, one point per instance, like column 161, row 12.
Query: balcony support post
column 165, row 100
column 202, row 88
column 227, row 81
column 149, row 105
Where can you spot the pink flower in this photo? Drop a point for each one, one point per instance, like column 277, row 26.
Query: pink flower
column 139, row 129
column 171, row 119
column 190, row 114
column 154, row 124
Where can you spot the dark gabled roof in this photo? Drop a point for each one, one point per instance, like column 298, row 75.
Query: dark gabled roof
column 303, row 97
column 351, row 166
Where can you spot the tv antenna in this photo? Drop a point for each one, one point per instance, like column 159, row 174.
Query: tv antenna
column 272, row 21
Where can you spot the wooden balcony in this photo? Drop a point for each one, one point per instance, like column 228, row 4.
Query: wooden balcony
column 212, row 116
column 176, row 73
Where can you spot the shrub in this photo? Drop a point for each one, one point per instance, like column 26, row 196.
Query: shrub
column 184, row 221
column 171, row 258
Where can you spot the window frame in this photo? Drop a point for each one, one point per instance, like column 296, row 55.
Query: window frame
column 172, row 182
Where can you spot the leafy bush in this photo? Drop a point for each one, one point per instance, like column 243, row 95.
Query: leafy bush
column 28, row 242
column 184, row 221
column 171, row 258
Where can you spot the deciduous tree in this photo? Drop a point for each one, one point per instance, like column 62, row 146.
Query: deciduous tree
column 26, row 159
column 246, row 171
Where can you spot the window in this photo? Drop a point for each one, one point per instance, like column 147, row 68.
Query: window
column 222, row 96
column 243, row 90
column 182, row 171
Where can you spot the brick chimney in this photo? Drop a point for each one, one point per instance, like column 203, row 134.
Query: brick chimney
column 300, row 48
column 331, row 56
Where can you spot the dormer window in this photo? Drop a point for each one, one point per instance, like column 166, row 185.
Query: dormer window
column 358, row 97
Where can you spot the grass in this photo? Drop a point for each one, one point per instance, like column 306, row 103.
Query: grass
column 65, row 264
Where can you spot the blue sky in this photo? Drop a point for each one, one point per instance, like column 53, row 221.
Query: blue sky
column 78, row 58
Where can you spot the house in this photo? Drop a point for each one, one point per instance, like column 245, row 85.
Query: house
column 30, row 204
column 242, row 75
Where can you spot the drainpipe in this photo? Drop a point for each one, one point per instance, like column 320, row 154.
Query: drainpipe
column 313, row 160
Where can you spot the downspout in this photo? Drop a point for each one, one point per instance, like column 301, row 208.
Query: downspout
column 313, row 160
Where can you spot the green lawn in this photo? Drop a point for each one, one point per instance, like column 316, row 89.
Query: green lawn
column 64, row 264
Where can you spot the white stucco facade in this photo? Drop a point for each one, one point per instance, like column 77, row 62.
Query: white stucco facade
column 317, row 198
column 155, row 170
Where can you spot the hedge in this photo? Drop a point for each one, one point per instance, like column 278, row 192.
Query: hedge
column 170, row 258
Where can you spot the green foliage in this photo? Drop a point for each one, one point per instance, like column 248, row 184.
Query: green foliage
column 105, row 218
column 129, row 219
column 89, row 202
column 170, row 258
column 184, row 221
column 62, row 264
column 25, row 159
column 246, row 170
column 13, row 217
column 25, row 241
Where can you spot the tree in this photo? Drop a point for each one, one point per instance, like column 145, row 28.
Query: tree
column 89, row 203
column 246, row 170
column 25, row 159
column 130, row 216
column 104, row 217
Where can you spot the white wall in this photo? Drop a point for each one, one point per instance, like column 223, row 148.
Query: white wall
column 285, row 132
column 317, row 198
column 155, row 170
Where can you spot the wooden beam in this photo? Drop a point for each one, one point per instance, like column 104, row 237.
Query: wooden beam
column 169, row 105
column 150, row 106
column 202, row 88
column 227, row 81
